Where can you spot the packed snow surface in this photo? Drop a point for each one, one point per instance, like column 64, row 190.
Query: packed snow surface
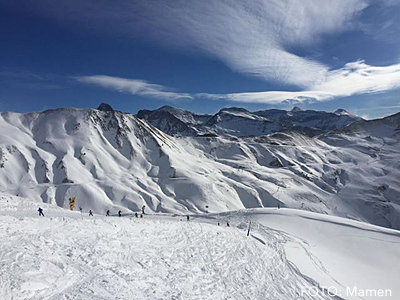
column 69, row 255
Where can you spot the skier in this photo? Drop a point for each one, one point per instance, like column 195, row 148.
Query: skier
column 108, row 213
column 143, row 207
column 90, row 213
column 227, row 224
column 141, row 216
column 136, row 215
column 119, row 213
column 187, row 217
column 40, row 210
column 218, row 224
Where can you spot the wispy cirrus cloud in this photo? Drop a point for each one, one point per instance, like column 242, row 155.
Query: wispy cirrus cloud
column 353, row 79
column 134, row 87
column 253, row 37
column 360, row 78
column 269, row 97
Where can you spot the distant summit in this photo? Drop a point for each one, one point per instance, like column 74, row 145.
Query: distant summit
column 238, row 109
column 342, row 112
column 296, row 108
column 105, row 107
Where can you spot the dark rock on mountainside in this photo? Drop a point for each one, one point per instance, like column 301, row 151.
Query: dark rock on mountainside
column 105, row 107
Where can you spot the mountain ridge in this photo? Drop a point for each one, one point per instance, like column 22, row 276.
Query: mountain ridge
column 110, row 159
column 239, row 122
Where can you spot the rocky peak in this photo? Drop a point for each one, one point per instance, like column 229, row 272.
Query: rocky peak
column 105, row 107
column 296, row 108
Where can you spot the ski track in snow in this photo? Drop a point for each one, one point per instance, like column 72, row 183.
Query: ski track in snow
column 71, row 256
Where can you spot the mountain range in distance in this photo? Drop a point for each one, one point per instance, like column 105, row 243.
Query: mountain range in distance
column 176, row 161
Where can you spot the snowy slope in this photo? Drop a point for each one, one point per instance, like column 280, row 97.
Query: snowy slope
column 108, row 159
column 103, row 158
column 349, row 179
column 240, row 122
column 339, row 254
column 289, row 255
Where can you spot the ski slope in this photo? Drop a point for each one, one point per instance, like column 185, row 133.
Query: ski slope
column 69, row 255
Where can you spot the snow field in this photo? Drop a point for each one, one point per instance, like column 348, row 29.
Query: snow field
column 66, row 255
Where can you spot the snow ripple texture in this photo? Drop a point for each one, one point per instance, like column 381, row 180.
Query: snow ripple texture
column 70, row 256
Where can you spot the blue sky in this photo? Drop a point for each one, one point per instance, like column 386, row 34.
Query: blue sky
column 201, row 55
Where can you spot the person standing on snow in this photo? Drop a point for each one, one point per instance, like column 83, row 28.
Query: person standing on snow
column 187, row 217
column 40, row 210
column 119, row 213
column 143, row 208
column 108, row 213
column 90, row 213
column 136, row 215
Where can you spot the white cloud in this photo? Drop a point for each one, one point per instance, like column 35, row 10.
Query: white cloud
column 269, row 97
column 249, row 36
column 254, row 37
column 360, row 78
column 134, row 87
column 354, row 78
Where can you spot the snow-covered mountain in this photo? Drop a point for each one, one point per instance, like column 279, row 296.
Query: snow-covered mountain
column 240, row 122
column 112, row 160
